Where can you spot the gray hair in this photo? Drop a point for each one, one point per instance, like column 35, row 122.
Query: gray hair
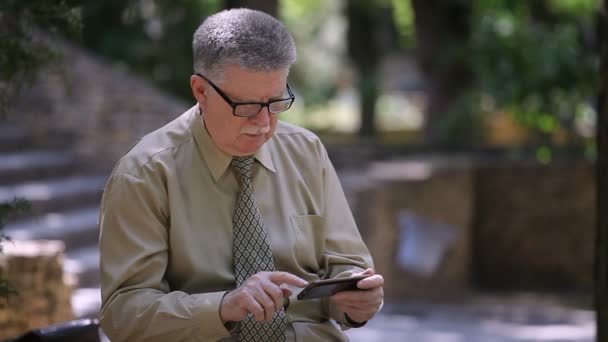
column 250, row 39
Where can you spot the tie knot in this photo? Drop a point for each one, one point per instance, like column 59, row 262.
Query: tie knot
column 242, row 166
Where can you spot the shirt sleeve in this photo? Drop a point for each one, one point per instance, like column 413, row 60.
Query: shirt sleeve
column 345, row 252
column 137, row 302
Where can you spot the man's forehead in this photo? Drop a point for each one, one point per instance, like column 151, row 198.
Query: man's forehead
column 245, row 85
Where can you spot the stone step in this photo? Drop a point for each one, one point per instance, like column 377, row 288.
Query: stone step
column 56, row 194
column 84, row 263
column 35, row 165
column 76, row 228
column 13, row 138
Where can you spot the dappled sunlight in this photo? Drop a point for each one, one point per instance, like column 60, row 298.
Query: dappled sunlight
column 412, row 170
column 482, row 317
column 33, row 248
column 55, row 220
column 457, row 326
column 31, row 192
column 85, row 299
column 46, row 190
column 400, row 111
column 73, row 266
column 396, row 111
column 552, row 332
column 443, row 337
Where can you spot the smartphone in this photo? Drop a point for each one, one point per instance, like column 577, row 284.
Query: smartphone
column 329, row 287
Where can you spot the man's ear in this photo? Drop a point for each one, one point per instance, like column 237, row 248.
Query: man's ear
column 198, row 86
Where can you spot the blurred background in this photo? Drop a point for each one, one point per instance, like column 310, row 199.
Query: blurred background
column 463, row 132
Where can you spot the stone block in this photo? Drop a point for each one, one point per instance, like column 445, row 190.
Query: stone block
column 35, row 269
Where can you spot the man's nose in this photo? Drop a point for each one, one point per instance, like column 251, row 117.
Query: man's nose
column 262, row 118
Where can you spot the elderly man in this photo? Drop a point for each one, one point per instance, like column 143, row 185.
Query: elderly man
column 210, row 222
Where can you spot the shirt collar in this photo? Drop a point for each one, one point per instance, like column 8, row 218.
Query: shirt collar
column 217, row 160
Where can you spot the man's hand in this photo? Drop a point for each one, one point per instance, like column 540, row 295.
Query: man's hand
column 262, row 294
column 361, row 305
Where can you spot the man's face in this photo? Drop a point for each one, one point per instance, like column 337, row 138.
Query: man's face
column 240, row 136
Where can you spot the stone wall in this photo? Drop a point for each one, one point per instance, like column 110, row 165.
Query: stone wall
column 97, row 108
column 535, row 225
column 35, row 269
column 515, row 225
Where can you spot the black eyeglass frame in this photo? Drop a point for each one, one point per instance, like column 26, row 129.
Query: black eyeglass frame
column 234, row 104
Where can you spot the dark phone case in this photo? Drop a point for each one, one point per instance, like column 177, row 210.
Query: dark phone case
column 329, row 287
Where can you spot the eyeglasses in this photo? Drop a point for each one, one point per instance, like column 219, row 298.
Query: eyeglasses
column 246, row 109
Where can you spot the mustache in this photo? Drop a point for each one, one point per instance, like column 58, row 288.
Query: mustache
column 255, row 129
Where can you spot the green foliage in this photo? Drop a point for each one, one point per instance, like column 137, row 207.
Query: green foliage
column 544, row 154
column 403, row 15
column 536, row 66
column 294, row 10
column 23, row 50
column 579, row 8
column 6, row 209
column 151, row 37
column 462, row 125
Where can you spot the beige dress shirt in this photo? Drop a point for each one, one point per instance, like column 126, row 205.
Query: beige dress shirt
column 166, row 233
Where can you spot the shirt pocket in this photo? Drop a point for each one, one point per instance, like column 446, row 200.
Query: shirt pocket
column 309, row 240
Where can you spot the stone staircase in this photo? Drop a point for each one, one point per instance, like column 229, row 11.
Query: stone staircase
column 64, row 202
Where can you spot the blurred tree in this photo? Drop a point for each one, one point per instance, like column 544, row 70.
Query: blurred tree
column 269, row 6
column 443, row 30
column 151, row 37
column 24, row 49
column 318, row 28
column 365, row 49
column 601, row 247
column 532, row 59
column 536, row 61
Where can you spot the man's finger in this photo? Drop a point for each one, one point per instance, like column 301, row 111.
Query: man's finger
column 266, row 303
column 366, row 297
column 287, row 278
column 274, row 292
column 255, row 308
column 368, row 271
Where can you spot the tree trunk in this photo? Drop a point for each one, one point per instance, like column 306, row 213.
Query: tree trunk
column 368, row 94
column 442, row 37
column 601, row 246
column 365, row 49
column 268, row 6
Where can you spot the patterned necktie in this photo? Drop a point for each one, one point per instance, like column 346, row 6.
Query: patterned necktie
column 252, row 254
